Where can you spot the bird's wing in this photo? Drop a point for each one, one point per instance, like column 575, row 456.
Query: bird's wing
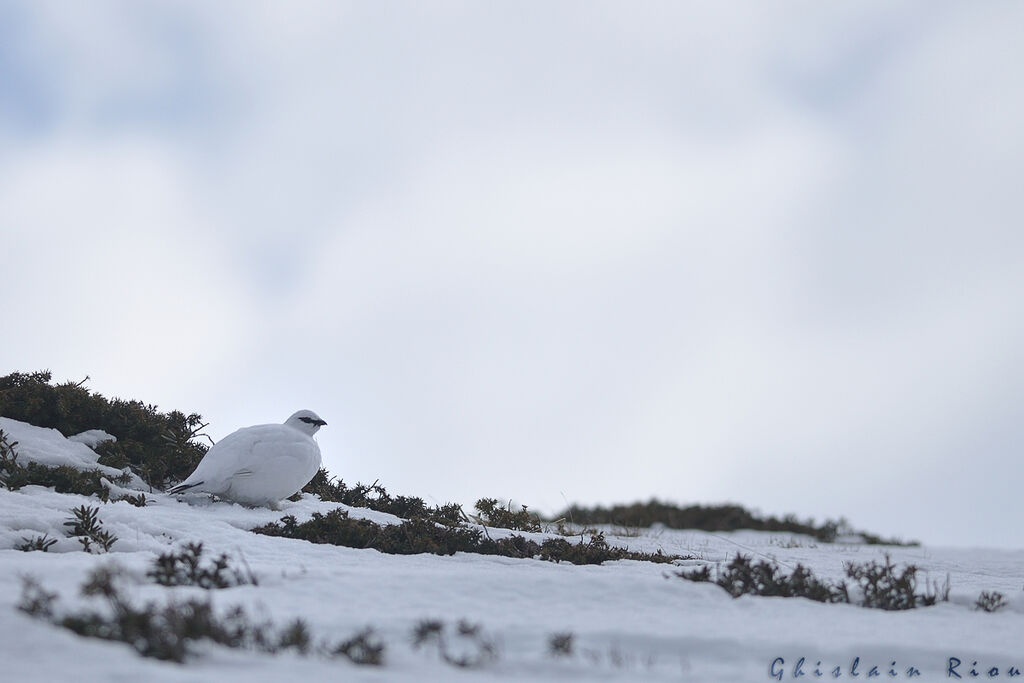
column 298, row 446
column 254, row 450
column 297, row 456
column 228, row 456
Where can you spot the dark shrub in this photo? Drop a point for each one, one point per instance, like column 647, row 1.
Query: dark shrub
column 491, row 513
column 376, row 497
column 475, row 648
column 561, row 644
column 712, row 518
column 424, row 536
column 85, row 525
column 990, row 602
column 362, row 648
column 168, row 631
column 41, row 543
column 160, row 447
column 186, row 568
column 881, row 586
column 743, row 576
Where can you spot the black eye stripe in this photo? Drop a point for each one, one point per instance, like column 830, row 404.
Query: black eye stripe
column 307, row 419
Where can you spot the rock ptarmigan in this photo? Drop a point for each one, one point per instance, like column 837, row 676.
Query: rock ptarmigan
column 260, row 465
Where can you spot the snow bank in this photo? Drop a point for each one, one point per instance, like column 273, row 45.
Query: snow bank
column 49, row 447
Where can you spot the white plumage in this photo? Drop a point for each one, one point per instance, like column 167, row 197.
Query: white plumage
column 260, row 465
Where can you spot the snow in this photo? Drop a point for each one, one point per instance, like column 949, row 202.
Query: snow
column 631, row 620
column 92, row 437
column 49, row 447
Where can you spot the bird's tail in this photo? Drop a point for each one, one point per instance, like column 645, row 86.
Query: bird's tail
column 181, row 488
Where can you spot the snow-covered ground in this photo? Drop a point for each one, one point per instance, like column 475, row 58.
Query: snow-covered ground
column 631, row 620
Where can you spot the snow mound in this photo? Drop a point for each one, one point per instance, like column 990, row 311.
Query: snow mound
column 50, row 447
column 92, row 437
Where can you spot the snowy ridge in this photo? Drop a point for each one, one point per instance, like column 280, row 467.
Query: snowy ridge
column 631, row 620
column 49, row 447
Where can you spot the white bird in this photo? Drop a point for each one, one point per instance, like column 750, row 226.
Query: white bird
column 260, row 465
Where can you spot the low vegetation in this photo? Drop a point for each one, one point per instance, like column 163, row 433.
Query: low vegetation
column 743, row 576
column 490, row 512
column 466, row 645
column 882, row 587
column 138, row 500
column 715, row 518
column 876, row 584
column 424, row 536
column 186, row 568
column 85, row 525
column 362, row 648
column 561, row 644
column 40, row 543
column 170, row 631
column 990, row 601
column 375, row 497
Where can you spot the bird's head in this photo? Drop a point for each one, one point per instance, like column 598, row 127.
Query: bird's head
column 306, row 421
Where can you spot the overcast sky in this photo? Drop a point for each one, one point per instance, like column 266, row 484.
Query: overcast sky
column 766, row 253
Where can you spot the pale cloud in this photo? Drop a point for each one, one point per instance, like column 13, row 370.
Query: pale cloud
column 111, row 272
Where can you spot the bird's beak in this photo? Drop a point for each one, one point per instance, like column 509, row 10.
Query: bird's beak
column 321, row 423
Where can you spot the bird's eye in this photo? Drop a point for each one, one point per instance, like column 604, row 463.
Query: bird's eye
column 307, row 420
